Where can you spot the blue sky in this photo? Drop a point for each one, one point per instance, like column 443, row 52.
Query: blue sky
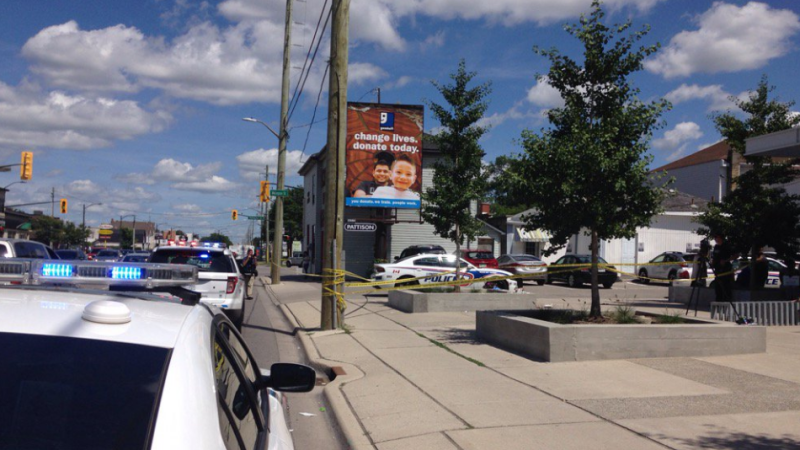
column 138, row 105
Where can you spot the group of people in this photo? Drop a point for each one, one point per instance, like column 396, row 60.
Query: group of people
column 722, row 258
column 391, row 178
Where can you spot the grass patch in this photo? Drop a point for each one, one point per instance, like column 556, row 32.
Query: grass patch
column 445, row 347
column 623, row 314
column 670, row 318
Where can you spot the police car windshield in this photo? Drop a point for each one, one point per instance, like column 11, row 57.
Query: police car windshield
column 69, row 393
column 205, row 260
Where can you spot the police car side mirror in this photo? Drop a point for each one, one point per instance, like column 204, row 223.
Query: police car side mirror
column 396, row 258
column 287, row 377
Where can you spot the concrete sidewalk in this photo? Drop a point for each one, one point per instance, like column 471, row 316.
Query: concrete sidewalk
column 423, row 381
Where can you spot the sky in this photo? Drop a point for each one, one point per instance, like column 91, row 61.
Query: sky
column 139, row 105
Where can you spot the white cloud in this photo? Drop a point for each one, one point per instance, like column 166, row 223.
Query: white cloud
column 253, row 163
column 677, row 139
column 729, row 39
column 544, row 95
column 136, row 178
column 30, row 117
column 212, row 185
column 171, row 170
column 233, row 65
column 435, row 40
column 187, row 208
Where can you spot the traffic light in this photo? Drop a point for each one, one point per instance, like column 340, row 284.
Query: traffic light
column 63, row 206
column 26, row 168
column 234, row 214
column 264, row 195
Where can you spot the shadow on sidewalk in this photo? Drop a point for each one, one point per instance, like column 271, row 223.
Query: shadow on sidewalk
column 275, row 330
column 740, row 441
column 301, row 278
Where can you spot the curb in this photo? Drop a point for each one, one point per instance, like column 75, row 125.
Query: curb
column 348, row 422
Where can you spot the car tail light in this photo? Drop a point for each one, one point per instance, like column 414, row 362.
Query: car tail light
column 379, row 269
column 231, row 285
column 684, row 274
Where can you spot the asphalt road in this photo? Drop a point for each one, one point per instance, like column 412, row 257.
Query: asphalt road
column 272, row 339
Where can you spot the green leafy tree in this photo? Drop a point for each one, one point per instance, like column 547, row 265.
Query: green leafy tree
column 126, row 238
column 292, row 214
column 458, row 178
column 74, row 235
column 217, row 237
column 47, row 229
column 505, row 187
column 588, row 171
column 758, row 212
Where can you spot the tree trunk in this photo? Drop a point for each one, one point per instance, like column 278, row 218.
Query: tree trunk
column 595, row 309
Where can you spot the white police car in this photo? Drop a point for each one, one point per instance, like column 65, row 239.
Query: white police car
column 437, row 269
column 220, row 283
column 130, row 370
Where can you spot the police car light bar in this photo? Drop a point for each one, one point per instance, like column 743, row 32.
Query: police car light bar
column 33, row 271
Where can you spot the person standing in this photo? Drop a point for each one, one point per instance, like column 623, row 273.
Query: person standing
column 249, row 268
column 721, row 258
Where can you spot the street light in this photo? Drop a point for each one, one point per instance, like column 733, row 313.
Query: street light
column 83, row 223
column 283, row 136
column 21, row 182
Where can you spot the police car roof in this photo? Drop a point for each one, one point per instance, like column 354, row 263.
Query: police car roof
column 60, row 312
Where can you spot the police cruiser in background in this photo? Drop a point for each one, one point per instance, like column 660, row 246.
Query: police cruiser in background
column 220, row 282
column 118, row 369
column 437, row 269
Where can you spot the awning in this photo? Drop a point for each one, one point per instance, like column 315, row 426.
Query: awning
column 25, row 226
column 524, row 235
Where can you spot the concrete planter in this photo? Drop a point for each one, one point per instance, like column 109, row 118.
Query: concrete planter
column 422, row 302
column 681, row 293
column 554, row 342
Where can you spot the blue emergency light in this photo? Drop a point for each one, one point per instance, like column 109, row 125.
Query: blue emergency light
column 126, row 273
column 57, row 270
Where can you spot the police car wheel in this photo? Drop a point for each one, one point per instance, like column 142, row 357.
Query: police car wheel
column 540, row 282
column 672, row 276
column 412, row 282
column 643, row 276
column 288, row 264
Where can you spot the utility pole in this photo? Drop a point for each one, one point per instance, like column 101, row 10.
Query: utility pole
column 335, row 160
column 265, row 236
column 53, row 203
column 277, row 239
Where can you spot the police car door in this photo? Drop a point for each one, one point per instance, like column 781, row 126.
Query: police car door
column 427, row 266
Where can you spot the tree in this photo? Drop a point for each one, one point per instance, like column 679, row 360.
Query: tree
column 588, row 171
column 73, row 235
column 292, row 214
column 217, row 237
column 126, row 238
column 505, row 187
column 47, row 229
column 757, row 212
column 458, row 179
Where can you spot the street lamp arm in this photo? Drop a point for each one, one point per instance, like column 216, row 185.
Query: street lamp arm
column 254, row 120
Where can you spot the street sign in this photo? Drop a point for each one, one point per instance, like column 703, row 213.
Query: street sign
column 106, row 226
column 360, row 226
column 280, row 192
column 104, row 232
column 255, row 217
column 104, row 237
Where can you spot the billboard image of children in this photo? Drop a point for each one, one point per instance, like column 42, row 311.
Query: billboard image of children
column 384, row 155
column 381, row 175
column 404, row 174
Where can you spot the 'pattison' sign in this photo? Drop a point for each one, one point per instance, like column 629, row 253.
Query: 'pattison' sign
column 360, row 226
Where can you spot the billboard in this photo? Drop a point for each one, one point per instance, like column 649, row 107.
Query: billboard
column 384, row 155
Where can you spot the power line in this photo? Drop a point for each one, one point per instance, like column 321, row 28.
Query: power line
column 306, row 71
column 319, row 95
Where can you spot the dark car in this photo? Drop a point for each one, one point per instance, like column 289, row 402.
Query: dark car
column 578, row 276
column 108, row 255
column 71, row 254
column 527, row 265
column 419, row 249
column 480, row 258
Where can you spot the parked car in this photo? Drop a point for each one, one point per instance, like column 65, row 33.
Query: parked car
column 439, row 268
column 136, row 257
column 479, row 258
column 135, row 370
column 420, row 249
column 72, row 254
column 668, row 266
column 295, row 260
column 578, row 276
column 520, row 264
column 24, row 248
column 220, row 281
column 108, row 255
column 773, row 276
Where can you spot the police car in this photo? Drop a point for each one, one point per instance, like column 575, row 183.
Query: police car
column 220, row 282
column 130, row 370
column 437, row 269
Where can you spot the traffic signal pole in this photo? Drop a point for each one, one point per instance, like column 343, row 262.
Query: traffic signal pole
column 277, row 238
column 335, row 161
